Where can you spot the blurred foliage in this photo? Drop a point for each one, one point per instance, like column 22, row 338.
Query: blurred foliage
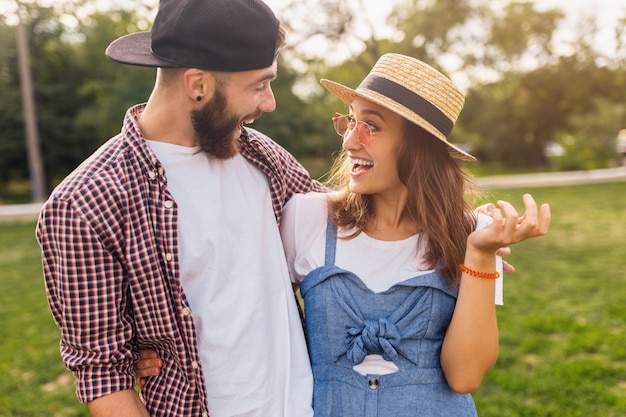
column 523, row 94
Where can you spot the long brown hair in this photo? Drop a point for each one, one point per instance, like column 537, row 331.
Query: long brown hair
column 438, row 194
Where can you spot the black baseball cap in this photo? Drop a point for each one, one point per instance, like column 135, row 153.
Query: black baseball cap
column 216, row 35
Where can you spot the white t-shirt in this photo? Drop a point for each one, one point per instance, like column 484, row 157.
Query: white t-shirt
column 235, row 277
column 303, row 230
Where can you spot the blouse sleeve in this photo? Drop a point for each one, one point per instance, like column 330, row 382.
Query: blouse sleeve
column 303, row 230
column 288, row 234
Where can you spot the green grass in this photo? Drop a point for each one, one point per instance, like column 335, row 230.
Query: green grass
column 563, row 325
column 33, row 380
column 562, row 328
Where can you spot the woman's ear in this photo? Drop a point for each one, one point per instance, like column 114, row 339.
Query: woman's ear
column 199, row 84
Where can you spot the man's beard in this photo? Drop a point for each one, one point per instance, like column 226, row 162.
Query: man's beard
column 214, row 127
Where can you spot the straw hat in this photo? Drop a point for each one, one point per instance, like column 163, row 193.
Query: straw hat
column 415, row 91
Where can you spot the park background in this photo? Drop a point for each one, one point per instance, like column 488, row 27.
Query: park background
column 536, row 103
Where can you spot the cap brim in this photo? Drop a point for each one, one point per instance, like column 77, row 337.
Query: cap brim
column 136, row 49
column 347, row 95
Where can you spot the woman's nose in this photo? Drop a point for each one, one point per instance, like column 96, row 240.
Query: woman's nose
column 351, row 139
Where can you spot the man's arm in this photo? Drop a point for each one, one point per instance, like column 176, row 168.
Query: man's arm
column 88, row 296
column 119, row 404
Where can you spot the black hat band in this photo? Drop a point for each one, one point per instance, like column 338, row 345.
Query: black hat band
column 410, row 100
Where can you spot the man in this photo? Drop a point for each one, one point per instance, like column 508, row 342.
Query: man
column 166, row 238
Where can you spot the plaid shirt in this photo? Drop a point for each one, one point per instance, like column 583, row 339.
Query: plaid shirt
column 108, row 236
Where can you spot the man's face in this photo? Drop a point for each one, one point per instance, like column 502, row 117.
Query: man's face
column 241, row 97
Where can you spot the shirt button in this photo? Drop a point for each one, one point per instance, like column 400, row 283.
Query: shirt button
column 152, row 174
column 372, row 383
column 186, row 311
column 168, row 257
column 160, row 169
column 195, row 365
column 168, row 204
column 205, row 414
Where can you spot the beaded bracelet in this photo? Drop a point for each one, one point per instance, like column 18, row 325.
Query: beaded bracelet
column 487, row 275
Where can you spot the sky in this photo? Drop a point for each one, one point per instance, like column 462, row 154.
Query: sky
column 606, row 11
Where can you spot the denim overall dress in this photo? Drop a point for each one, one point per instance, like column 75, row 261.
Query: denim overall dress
column 405, row 324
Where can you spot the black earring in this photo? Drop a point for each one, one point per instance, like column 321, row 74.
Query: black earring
column 199, row 98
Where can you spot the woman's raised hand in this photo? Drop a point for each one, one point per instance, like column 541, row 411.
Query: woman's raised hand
column 508, row 227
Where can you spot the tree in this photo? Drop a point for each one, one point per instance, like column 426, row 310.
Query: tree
column 12, row 146
column 110, row 88
column 521, row 92
column 51, row 69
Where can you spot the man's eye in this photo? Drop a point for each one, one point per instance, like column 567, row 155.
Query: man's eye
column 263, row 87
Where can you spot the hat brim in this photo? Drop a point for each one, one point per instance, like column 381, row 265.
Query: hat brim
column 347, row 94
column 136, row 49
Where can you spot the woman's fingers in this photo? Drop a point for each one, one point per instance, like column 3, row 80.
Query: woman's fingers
column 544, row 223
column 507, row 267
column 534, row 222
column 141, row 382
column 148, row 365
column 504, row 251
column 508, row 227
column 509, row 222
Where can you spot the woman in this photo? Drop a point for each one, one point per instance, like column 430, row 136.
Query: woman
column 398, row 282
column 394, row 327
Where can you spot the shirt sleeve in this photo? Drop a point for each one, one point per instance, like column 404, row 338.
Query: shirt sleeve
column 87, row 295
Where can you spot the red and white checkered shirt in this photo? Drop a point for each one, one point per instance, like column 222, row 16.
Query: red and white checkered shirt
column 108, row 235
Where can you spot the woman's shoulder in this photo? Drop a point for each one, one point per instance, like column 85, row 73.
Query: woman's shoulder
column 311, row 198
column 307, row 206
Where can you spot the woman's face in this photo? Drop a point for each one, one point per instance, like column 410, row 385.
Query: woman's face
column 373, row 166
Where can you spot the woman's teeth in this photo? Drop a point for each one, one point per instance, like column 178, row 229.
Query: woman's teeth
column 360, row 165
column 363, row 162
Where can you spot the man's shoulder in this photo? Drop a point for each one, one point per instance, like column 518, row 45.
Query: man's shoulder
column 102, row 166
column 266, row 142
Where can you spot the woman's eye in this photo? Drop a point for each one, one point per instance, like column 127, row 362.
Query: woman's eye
column 352, row 123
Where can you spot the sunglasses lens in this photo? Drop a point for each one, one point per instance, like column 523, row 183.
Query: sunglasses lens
column 364, row 132
column 342, row 125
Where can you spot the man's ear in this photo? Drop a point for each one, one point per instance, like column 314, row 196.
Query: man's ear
column 199, row 84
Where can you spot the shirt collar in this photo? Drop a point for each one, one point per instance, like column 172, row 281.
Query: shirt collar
column 135, row 140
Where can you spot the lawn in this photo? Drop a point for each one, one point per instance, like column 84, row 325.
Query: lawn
column 562, row 328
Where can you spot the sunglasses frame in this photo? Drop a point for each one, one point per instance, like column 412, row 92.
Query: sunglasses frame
column 365, row 136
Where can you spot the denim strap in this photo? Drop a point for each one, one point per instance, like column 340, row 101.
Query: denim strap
column 331, row 243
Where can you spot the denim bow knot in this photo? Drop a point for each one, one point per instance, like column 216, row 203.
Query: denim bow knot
column 375, row 337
